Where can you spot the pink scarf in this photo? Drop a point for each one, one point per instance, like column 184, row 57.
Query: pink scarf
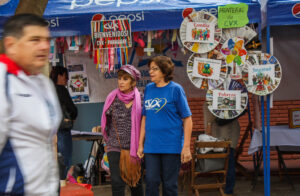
column 135, row 116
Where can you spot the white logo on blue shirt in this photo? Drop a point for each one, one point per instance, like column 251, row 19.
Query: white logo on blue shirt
column 155, row 104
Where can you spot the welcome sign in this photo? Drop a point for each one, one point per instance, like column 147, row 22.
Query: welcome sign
column 111, row 34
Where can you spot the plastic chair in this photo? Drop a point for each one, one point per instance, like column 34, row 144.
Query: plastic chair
column 220, row 174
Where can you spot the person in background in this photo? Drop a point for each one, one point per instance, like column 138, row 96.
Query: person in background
column 228, row 130
column 29, row 111
column 59, row 76
column 122, row 115
column 166, row 121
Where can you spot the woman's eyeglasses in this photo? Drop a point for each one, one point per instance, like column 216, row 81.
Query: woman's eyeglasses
column 154, row 69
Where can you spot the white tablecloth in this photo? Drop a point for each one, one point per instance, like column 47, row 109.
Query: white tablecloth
column 283, row 136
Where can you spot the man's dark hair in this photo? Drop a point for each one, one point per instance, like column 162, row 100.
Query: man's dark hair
column 58, row 70
column 14, row 26
column 165, row 65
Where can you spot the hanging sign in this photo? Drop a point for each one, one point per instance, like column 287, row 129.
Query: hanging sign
column 207, row 68
column 198, row 32
column 262, row 73
column 227, row 102
column 206, row 71
column 233, row 15
column 111, row 33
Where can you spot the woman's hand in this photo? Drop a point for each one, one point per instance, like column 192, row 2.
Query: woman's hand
column 186, row 155
column 140, row 152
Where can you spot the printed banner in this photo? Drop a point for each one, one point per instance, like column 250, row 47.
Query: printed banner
column 207, row 68
column 200, row 32
column 111, row 33
column 226, row 100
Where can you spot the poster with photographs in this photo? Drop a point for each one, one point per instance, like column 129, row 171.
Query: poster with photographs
column 206, row 71
column 207, row 68
column 200, row 32
column 227, row 102
column 262, row 73
column 78, row 83
column 205, row 37
column 235, row 54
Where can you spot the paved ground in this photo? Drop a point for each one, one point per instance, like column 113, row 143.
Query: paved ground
column 243, row 186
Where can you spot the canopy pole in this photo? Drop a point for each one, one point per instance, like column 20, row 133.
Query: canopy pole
column 268, row 125
column 268, row 145
column 264, row 145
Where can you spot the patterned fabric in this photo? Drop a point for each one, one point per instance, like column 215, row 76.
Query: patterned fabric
column 122, row 116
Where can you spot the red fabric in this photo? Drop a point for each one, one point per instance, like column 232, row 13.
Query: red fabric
column 75, row 190
column 12, row 67
column 88, row 186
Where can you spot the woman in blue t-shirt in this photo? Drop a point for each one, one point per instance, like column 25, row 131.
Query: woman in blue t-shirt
column 165, row 128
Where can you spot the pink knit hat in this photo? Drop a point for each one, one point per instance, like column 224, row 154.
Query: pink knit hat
column 135, row 73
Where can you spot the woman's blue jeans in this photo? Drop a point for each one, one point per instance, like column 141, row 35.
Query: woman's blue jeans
column 64, row 147
column 162, row 168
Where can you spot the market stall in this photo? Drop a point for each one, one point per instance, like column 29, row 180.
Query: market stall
column 153, row 21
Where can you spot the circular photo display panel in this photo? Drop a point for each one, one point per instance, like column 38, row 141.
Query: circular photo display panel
column 199, row 32
column 207, row 71
column 227, row 103
column 262, row 73
column 235, row 54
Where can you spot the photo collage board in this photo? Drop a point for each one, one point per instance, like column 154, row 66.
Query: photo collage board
column 226, row 63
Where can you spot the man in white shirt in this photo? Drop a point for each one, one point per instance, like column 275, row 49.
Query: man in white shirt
column 29, row 110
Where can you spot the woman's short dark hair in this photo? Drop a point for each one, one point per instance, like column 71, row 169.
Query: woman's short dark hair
column 165, row 65
column 58, row 70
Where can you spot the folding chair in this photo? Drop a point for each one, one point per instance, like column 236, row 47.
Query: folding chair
column 220, row 174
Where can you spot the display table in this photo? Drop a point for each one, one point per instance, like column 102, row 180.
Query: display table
column 75, row 190
column 83, row 135
column 282, row 139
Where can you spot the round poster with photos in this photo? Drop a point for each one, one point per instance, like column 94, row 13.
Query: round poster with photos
column 207, row 71
column 227, row 102
column 235, row 54
column 262, row 73
column 199, row 32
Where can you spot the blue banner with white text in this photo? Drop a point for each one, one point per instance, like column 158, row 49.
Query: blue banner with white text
column 73, row 17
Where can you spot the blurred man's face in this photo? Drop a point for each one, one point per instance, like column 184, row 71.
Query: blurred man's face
column 31, row 50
